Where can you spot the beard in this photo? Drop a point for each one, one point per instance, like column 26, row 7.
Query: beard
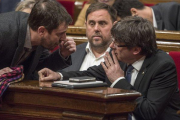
column 46, row 45
column 99, row 43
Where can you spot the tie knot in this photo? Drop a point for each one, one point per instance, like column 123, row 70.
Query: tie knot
column 130, row 68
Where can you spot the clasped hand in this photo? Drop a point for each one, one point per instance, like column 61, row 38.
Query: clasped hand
column 67, row 47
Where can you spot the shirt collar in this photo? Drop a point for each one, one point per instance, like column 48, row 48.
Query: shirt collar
column 138, row 64
column 27, row 44
column 88, row 50
column 154, row 19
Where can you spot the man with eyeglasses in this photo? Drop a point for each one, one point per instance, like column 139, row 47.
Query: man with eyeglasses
column 136, row 64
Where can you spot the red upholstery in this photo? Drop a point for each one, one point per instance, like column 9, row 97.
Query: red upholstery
column 176, row 57
column 149, row 5
column 69, row 5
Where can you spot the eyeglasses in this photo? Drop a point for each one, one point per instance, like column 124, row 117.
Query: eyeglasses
column 115, row 44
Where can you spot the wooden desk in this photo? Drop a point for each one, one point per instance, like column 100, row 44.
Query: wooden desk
column 26, row 100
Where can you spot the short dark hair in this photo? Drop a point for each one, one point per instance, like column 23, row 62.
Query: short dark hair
column 48, row 13
column 98, row 6
column 135, row 31
column 123, row 7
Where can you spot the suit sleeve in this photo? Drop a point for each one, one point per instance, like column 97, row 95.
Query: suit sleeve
column 94, row 71
column 53, row 61
column 174, row 15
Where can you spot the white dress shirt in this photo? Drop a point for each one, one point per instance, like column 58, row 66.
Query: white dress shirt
column 90, row 59
column 154, row 20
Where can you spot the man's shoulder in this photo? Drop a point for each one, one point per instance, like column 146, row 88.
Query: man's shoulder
column 163, row 56
column 167, row 4
column 17, row 14
column 81, row 46
column 79, row 50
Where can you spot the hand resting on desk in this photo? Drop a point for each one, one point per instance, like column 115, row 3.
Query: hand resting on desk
column 48, row 75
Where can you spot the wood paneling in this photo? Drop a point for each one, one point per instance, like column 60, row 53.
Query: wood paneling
column 166, row 40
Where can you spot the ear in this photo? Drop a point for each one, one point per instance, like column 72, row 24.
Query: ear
column 85, row 22
column 136, row 50
column 134, row 11
column 41, row 30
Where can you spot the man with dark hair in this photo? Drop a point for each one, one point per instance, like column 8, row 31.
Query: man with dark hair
column 164, row 16
column 136, row 64
column 99, row 21
column 25, row 38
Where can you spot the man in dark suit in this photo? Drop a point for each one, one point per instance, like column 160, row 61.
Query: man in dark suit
column 164, row 16
column 99, row 21
column 24, row 38
column 153, row 71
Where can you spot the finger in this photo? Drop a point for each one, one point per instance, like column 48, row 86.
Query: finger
column 104, row 67
column 107, row 61
column 109, row 58
column 41, row 74
column 69, row 44
column 40, row 77
column 48, row 78
column 61, row 45
column 72, row 50
column 114, row 57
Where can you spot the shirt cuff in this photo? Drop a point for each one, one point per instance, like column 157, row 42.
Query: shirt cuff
column 61, row 76
column 117, row 80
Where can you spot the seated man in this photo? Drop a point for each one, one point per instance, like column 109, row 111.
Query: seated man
column 145, row 68
column 99, row 21
column 164, row 16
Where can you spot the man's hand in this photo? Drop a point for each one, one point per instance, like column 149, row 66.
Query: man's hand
column 112, row 68
column 67, row 47
column 5, row 70
column 48, row 75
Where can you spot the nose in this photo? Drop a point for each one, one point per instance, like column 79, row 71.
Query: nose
column 112, row 45
column 96, row 27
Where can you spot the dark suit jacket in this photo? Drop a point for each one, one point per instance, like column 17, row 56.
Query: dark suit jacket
column 8, row 5
column 156, row 81
column 13, row 28
column 77, row 58
column 167, row 15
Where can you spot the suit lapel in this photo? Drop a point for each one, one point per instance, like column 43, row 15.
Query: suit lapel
column 143, row 70
column 34, row 62
column 78, row 59
column 18, row 53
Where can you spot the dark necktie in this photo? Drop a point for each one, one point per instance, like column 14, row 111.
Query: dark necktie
column 128, row 73
column 128, row 78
